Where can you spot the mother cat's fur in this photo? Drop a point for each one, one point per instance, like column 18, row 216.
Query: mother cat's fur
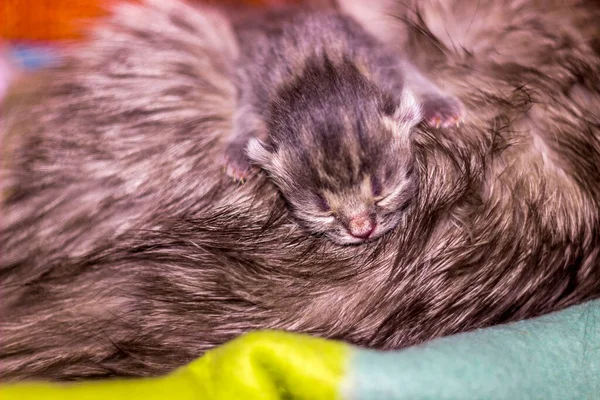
column 124, row 251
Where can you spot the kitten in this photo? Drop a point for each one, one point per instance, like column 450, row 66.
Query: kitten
column 329, row 113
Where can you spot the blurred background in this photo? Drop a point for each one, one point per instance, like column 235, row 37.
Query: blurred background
column 42, row 20
column 31, row 31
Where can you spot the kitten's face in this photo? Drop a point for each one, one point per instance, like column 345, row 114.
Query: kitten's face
column 349, row 175
column 358, row 212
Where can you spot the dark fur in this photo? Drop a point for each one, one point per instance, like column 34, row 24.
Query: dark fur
column 125, row 252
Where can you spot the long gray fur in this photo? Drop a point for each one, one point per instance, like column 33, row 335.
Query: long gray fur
column 125, row 251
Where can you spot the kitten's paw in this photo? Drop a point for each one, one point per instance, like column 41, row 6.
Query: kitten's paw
column 235, row 163
column 239, row 172
column 443, row 112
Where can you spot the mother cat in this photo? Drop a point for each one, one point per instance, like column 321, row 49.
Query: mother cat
column 124, row 251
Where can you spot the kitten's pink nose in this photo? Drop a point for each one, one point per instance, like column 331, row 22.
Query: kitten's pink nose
column 361, row 226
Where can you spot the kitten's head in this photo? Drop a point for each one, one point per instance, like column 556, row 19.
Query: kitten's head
column 342, row 155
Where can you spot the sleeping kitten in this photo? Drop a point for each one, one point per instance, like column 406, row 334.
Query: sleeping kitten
column 329, row 113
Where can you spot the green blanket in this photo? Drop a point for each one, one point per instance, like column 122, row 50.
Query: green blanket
column 556, row 356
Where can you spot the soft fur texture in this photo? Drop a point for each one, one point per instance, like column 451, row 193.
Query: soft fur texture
column 125, row 251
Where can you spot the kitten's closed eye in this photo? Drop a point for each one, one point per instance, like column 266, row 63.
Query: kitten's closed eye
column 379, row 198
column 388, row 197
column 322, row 203
column 375, row 186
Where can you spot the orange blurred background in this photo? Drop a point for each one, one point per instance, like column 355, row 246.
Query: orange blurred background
column 58, row 19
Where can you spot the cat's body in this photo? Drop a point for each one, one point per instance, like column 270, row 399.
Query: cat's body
column 328, row 111
column 124, row 249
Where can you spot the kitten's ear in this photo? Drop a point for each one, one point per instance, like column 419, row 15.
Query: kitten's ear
column 406, row 114
column 257, row 152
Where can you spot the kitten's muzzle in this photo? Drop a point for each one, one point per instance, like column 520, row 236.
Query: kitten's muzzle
column 361, row 226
